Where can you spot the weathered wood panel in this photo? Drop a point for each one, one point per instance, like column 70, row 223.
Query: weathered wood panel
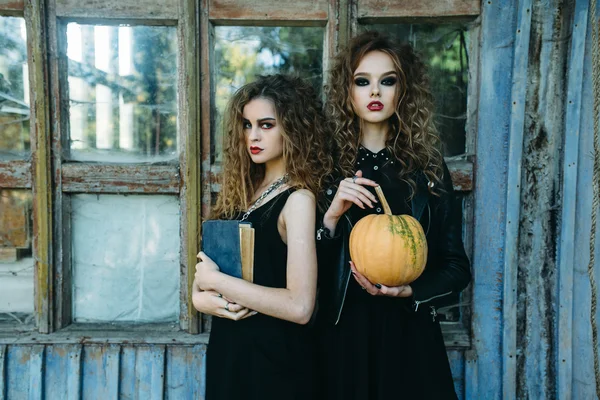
column 62, row 371
column 102, row 372
column 395, row 9
column 185, row 375
column 462, row 175
column 12, row 5
column 57, row 47
column 3, row 349
column 579, row 381
column 206, row 86
column 100, row 378
column 484, row 380
column 15, row 174
column 94, row 178
column 457, row 365
column 37, row 58
column 24, row 372
column 540, row 181
column 142, row 372
column 189, row 125
column 101, row 9
column 513, row 199
column 575, row 231
column 268, row 12
column 104, row 334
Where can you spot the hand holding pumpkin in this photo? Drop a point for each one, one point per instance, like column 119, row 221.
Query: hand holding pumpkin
column 378, row 289
column 388, row 249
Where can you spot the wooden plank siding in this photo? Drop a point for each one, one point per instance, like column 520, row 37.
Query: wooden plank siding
column 23, row 377
column 513, row 195
column 62, row 371
column 144, row 10
column 484, row 367
column 15, row 174
column 457, row 365
column 393, row 10
column 576, row 373
column 12, row 7
column 101, row 178
column 185, row 372
column 141, row 372
column 545, row 133
column 102, row 372
column 3, row 356
column 269, row 12
column 572, row 192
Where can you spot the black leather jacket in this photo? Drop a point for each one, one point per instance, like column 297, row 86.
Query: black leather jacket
column 447, row 271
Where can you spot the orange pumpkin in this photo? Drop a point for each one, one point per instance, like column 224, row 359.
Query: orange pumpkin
column 388, row 249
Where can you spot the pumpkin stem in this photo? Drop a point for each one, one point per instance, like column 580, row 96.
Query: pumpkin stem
column 386, row 207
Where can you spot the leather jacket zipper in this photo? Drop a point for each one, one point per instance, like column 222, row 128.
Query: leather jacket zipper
column 417, row 303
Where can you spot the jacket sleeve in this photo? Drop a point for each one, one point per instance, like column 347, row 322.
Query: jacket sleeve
column 327, row 246
column 450, row 271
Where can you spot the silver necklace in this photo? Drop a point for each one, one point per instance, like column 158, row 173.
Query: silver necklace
column 273, row 186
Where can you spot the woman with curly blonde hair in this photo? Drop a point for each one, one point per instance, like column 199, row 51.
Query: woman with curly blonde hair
column 383, row 342
column 276, row 156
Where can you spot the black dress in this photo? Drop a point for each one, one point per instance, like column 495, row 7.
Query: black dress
column 262, row 357
column 380, row 348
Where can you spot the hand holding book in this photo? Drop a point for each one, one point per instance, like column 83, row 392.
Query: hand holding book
column 230, row 244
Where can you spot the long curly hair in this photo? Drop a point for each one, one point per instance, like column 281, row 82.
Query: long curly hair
column 412, row 137
column 306, row 143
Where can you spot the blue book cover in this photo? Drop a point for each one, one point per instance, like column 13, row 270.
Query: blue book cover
column 221, row 242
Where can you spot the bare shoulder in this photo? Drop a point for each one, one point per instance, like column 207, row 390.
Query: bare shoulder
column 300, row 204
column 302, row 196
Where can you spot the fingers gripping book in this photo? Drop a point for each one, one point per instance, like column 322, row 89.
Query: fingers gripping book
column 230, row 244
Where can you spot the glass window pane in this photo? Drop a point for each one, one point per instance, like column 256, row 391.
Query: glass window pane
column 16, row 261
column 14, row 89
column 125, row 258
column 123, row 93
column 443, row 48
column 242, row 53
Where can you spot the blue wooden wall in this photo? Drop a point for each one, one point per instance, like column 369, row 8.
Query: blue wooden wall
column 101, row 372
column 531, row 329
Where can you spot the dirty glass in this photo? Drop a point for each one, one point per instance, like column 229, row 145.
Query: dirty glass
column 14, row 89
column 243, row 53
column 443, row 49
column 125, row 258
column 122, row 93
column 16, row 260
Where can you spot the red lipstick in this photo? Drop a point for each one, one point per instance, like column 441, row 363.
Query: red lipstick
column 375, row 106
column 255, row 149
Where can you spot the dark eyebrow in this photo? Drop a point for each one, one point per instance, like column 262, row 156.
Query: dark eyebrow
column 367, row 74
column 260, row 121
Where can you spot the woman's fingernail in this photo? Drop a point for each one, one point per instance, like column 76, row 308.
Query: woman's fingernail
column 378, row 286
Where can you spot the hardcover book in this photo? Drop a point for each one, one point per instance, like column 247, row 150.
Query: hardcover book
column 230, row 244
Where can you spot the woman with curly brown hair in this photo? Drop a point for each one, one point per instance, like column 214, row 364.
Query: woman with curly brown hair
column 384, row 342
column 276, row 156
